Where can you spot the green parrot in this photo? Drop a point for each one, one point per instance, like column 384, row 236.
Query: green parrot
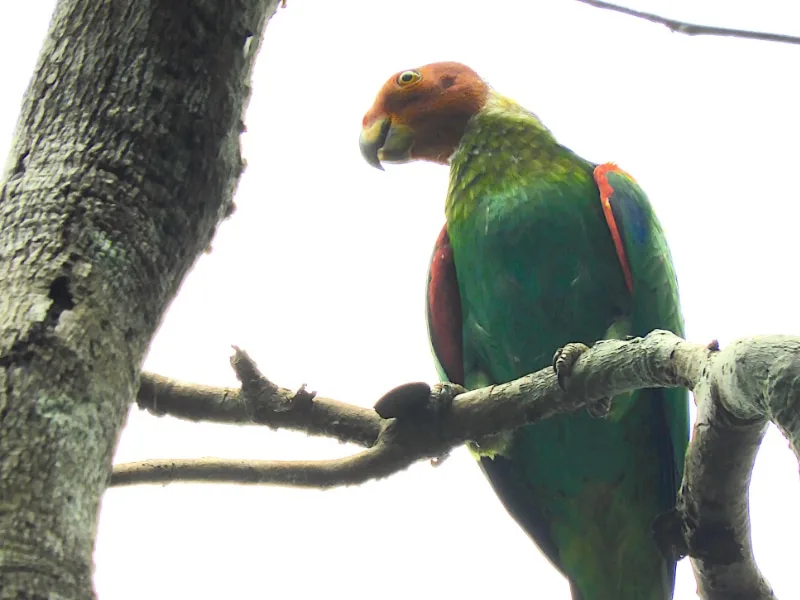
column 542, row 248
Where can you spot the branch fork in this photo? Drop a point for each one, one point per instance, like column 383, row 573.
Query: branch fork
column 738, row 391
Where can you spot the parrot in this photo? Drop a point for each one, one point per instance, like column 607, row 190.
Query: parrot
column 542, row 249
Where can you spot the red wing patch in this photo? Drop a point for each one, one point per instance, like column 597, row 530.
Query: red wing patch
column 444, row 310
column 606, row 192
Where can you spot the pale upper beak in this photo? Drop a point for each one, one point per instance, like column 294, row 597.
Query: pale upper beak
column 371, row 140
column 385, row 140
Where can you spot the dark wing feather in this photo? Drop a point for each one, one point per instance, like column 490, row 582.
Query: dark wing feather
column 515, row 494
column 443, row 314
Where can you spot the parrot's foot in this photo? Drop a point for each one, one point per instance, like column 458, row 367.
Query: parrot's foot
column 443, row 394
column 563, row 362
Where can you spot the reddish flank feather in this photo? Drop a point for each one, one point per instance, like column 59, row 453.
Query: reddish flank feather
column 606, row 191
column 444, row 310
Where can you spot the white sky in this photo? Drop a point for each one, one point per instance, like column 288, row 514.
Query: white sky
column 320, row 276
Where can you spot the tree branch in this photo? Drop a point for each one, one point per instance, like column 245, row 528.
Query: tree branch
column 691, row 28
column 610, row 368
column 738, row 391
column 381, row 460
column 432, row 421
column 751, row 382
column 259, row 402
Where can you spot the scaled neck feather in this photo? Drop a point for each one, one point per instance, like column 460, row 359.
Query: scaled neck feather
column 504, row 147
column 501, row 106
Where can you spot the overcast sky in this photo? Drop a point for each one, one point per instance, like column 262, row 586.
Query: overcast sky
column 320, row 276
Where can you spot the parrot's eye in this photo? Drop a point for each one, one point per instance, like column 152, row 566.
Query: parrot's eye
column 407, row 78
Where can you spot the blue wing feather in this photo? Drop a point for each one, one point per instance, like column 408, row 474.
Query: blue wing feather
column 655, row 292
column 655, row 305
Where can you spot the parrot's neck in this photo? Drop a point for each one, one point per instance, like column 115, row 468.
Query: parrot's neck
column 503, row 108
column 505, row 147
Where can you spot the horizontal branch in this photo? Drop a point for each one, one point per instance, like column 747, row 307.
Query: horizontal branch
column 258, row 402
column 691, row 28
column 738, row 391
column 434, row 424
column 379, row 461
column 437, row 419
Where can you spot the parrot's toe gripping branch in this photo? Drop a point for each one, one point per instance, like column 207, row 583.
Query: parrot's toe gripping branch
column 443, row 394
column 563, row 362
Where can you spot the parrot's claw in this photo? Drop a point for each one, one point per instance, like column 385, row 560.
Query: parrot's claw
column 443, row 394
column 564, row 361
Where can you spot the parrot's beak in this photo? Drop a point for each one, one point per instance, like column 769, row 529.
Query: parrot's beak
column 383, row 140
column 371, row 140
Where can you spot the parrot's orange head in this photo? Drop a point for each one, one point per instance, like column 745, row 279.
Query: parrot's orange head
column 420, row 114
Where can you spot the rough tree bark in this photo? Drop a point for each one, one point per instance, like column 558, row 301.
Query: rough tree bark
column 125, row 158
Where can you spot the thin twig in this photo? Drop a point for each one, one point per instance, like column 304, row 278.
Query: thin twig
column 259, row 402
column 692, row 28
column 376, row 462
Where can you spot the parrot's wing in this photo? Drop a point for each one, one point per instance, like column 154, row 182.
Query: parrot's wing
column 443, row 312
column 445, row 331
column 647, row 264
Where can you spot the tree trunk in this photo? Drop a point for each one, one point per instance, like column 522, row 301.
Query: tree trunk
column 125, row 158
